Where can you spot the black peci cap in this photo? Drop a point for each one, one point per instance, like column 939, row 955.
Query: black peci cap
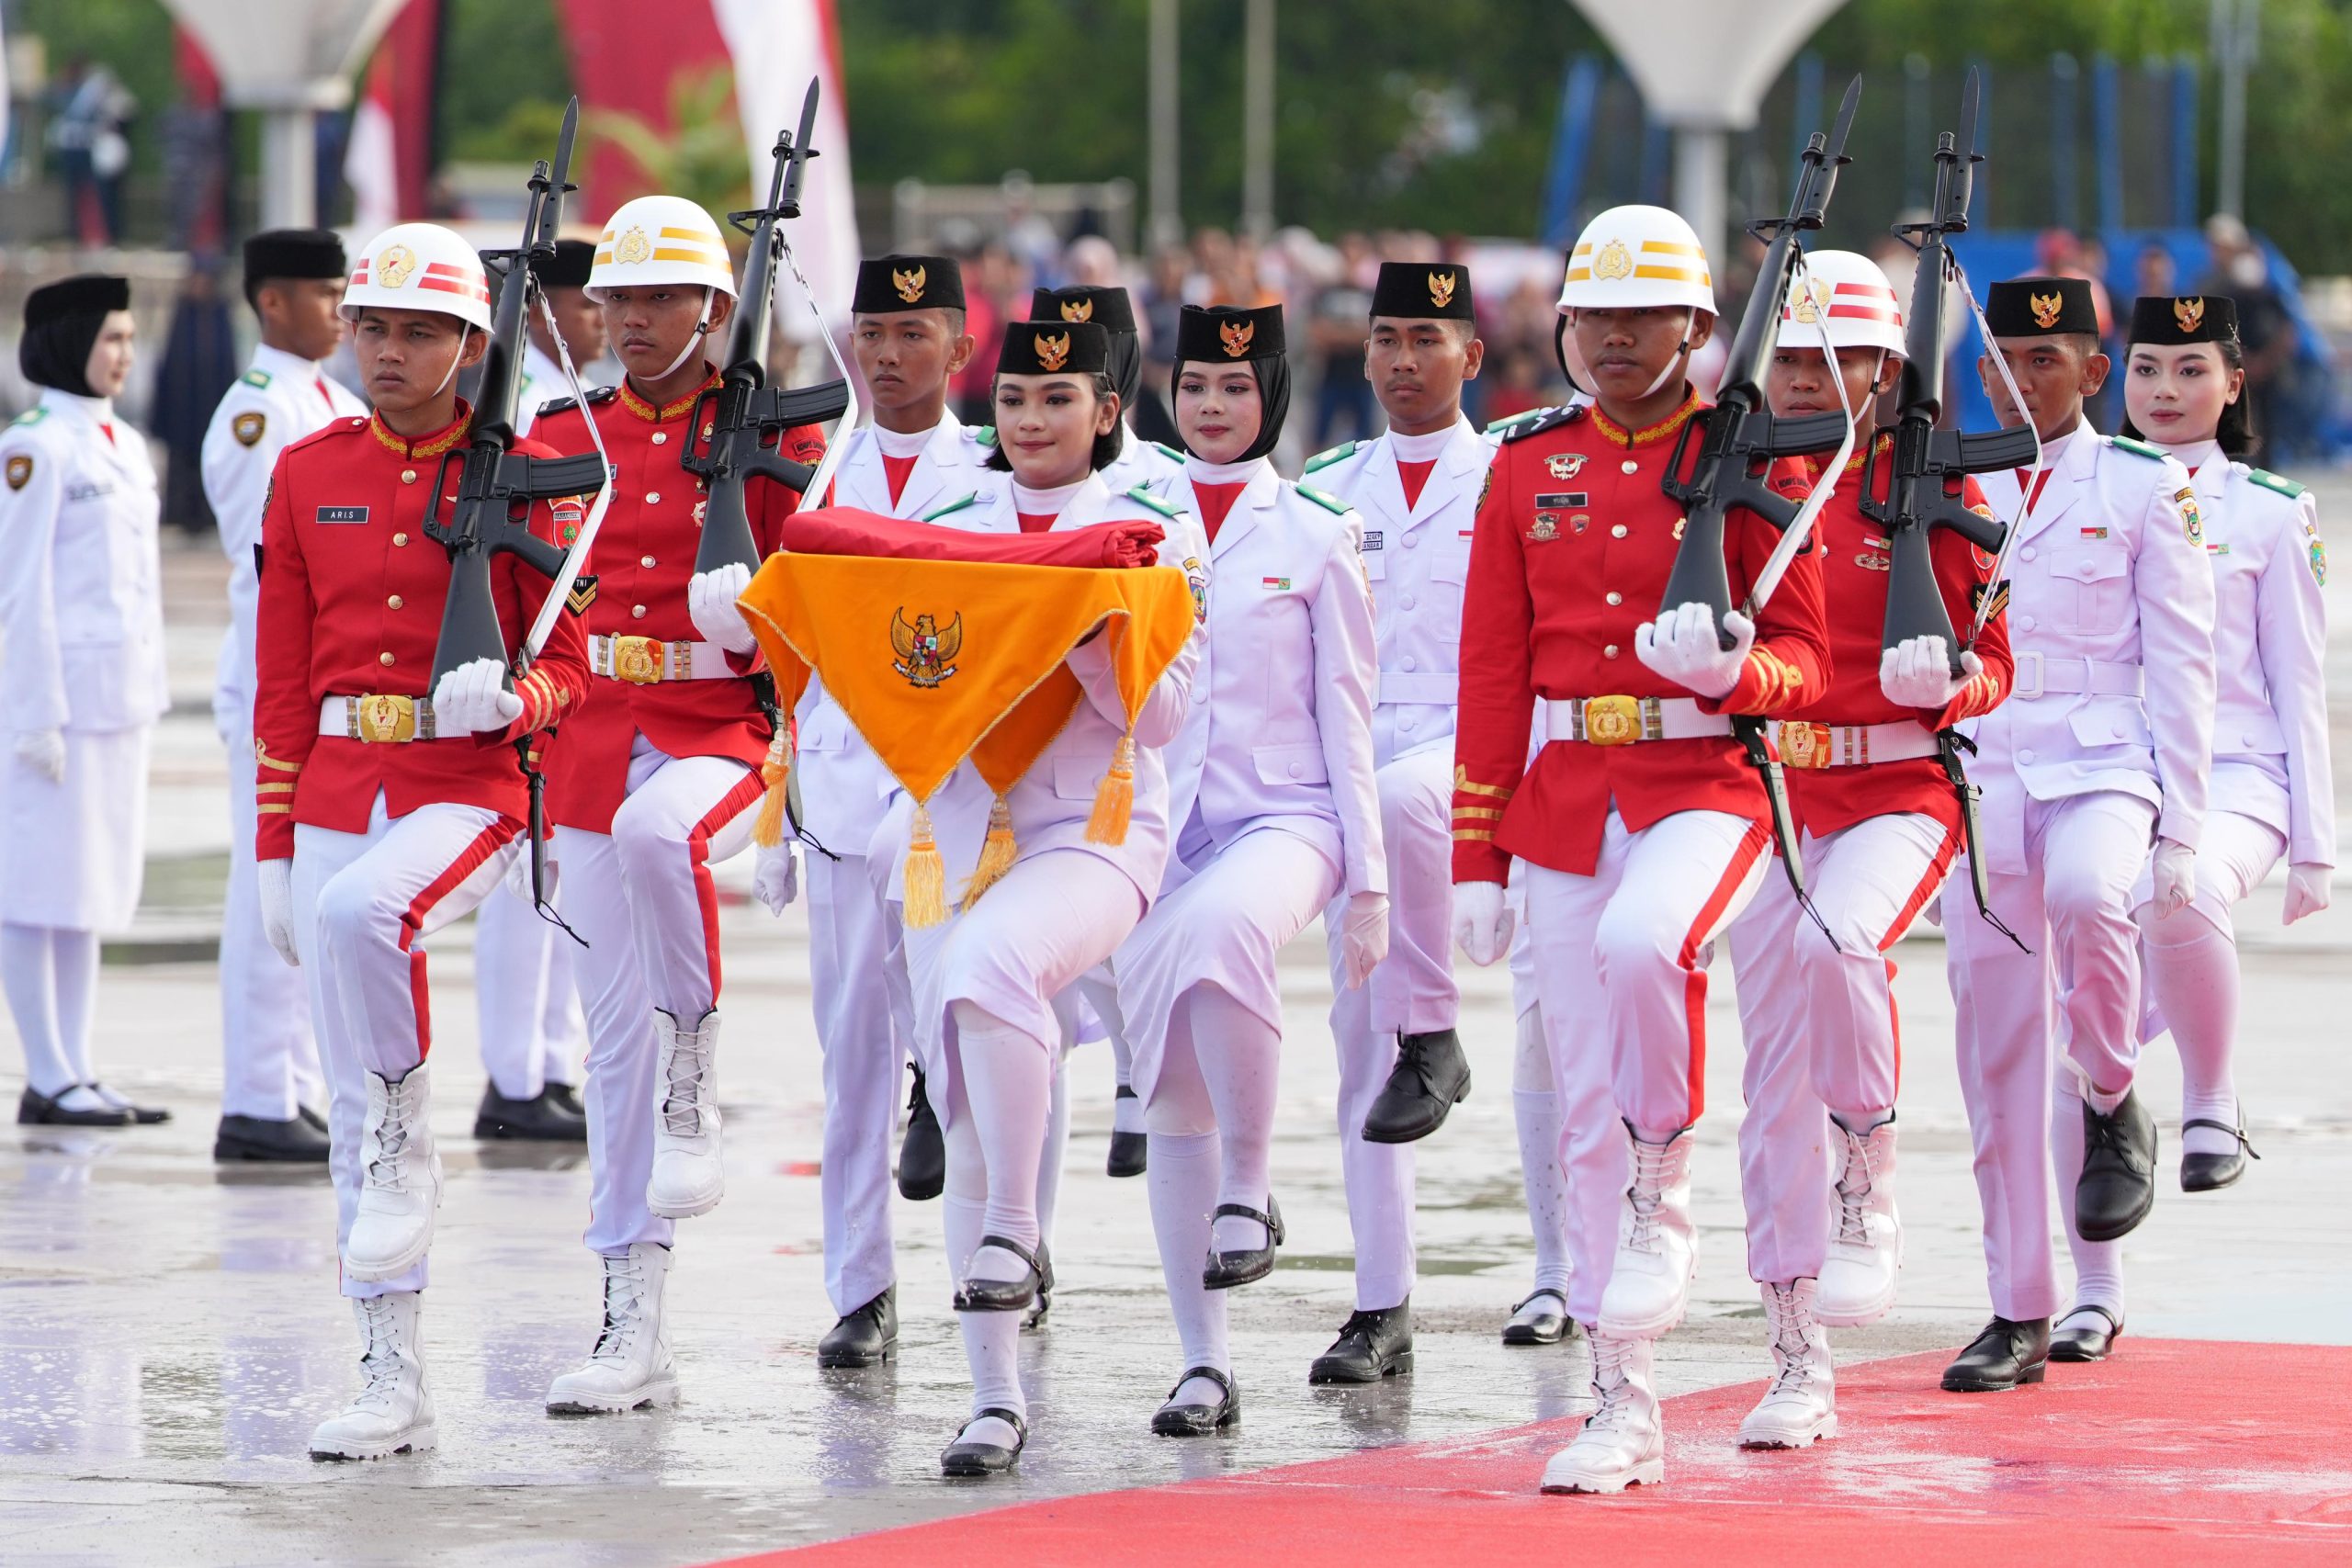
column 92, row 294
column 1106, row 308
column 1420, row 292
column 295, row 253
column 570, row 266
column 2173, row 320
column 1228, row 334
column 2041, row 307
column 887, row 285
column 1046, row 348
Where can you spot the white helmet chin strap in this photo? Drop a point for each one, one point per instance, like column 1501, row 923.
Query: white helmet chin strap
column 693, row 344
column 465, row 335
column 1679, row 364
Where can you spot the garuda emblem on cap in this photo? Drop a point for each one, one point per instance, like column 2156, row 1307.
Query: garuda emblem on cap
column 1441, row 288
column 1613, row 261
column 395, row 265
column 924, row 647
column 2189, row 314
column 909, row 284
column 1078, row 309
column 1052, row 351
column 2045, row 308
column 633, row 247
column 1236, row 336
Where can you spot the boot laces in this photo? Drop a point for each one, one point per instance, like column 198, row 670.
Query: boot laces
column 1610, row 1385
column 1855, row 1183
column 1647, row 1195
column 1361, row 1325
column 1791, row 1348
column 688, row 1066
column 624, row 1282
column 388, row 1166
column 382, row 1360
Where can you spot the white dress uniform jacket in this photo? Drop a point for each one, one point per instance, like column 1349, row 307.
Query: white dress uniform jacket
column 1141, row 462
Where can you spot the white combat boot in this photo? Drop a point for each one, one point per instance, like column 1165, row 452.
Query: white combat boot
column 1865, row 1255
column 1658, row 1247
column 400, row 1180
column 687, row 1179
column 393, row 1413
column 630, row 1365
column 1623, row 1442
column 1800, row 1407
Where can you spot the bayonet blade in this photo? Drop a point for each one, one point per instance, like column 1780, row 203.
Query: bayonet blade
column 800, row 151
column 1845, row 123
column 564, row 145
column 1968, row 97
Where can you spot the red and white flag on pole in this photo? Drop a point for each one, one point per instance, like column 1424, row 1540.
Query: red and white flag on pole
column 388, row 160
column 777, row 46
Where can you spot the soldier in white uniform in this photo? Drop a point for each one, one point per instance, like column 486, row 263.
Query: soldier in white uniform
column 2272, row 793
column 271, row 1088
column 1416, row 487
column 2100, row 752
column 580, row 320
column 81, row 614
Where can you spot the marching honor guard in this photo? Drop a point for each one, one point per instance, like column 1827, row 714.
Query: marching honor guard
column 2272, row 794
column 2101, row 751
column 1644, row 829
column 1879, row 826
column 658, row 780
column 81, row 607
column 1416, row 487
column 389, row 805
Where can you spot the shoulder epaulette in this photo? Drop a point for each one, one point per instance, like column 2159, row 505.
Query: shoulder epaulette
column 1536, row 423
column 31, row 416
column 950, row 507
column 2137, row 448
column 1327, row 502
column 1331, row 455
column 1142, row 496
column 1167, row 451
column 255, row 378
column 2278, row 482
column 982, row 435
column 593, row 395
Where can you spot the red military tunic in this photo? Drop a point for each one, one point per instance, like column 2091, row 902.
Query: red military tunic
column 1573, row 546
column 1826, row 799
column 351, row 599
column 643, row 558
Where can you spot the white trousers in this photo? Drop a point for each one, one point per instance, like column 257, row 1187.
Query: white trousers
column 269, row 1062
column 532, row 1032
column 1820, row 1023
column 642, row 898
column 362, row 903
column 1642, row 930
column 1411, row 992
column 863, row 1030
column 2075, row 997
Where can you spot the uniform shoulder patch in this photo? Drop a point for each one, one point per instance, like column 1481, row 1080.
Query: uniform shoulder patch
column 1142, row 496
column 564, row 405
column 255, row 378
column 1327, row 502
column 19, row 469
column 2137, row 448
column 558, row 405
column 982, row 435
column 2278, row 482
column 1536, row 423
column 952, row 506
column 248, row 426
column 31, row 416
column 1331, row 455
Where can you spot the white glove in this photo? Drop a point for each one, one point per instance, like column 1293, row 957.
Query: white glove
column 277, row 907
column 775, row 877
column 1681, row 645
column 2175, row 871
column 1363, row 936
column 1482, row 921
column 43, row 752
column 1916, row 673
column 710, row 600
column 473, row 699
column 2307, row 892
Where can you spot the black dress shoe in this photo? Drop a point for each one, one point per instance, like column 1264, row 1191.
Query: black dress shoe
column 2003, row 1356
column 1129, row 1151
column 315, row 1118
column 2118, row 1186
column 1226, row 1269
column 922, row 1157
column 962, row 1458
column 1548, row 1326
column 2211, row 1173
column 866, row 1336
column 1430, row 1076
column 1002, row 1295
column 291, row 1142
column 538, row 1120
column 35, row 1109
column 566, row 1098
column 1174, row 1420
column 1034, row 1318
column 140, row 1115
column 1371, row 1345
column 2086, row 1341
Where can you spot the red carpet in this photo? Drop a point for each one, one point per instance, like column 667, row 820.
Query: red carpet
column 2098, row 1467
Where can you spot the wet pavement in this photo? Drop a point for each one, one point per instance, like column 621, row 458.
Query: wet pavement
column 170, row 1331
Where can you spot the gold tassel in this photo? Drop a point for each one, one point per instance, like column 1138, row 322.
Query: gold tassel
column 926, row 903
column 767, row 829
column 1114, row 802
column 996, row 852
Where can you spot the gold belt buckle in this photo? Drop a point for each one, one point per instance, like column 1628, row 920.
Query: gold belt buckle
column 1804, row 745
column 383, row 719
column 636, row 659
column 1612, row 721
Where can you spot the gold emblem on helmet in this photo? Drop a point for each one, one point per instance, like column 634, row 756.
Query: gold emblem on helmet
column 1441, row 288
column 2189, row 314
column 1612, row 261
column 632, row 247
column 1235, row 336
column 1078, row 309
column 2045, row 308
column 1053, row 352
column 395, row 266
column 1811, row 303
column 909, row 284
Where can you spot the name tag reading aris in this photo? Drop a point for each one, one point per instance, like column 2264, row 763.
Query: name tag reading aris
column 343, row 514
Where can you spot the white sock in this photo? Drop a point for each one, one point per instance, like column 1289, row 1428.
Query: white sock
column 992, row 1339
column 2196, row 983
column 1057, row 1145
column 29, row 974
column 1008, row 1082
column 74, row 960
column 1240, row 1058
column 1181, row 1175
column 2098, row 1264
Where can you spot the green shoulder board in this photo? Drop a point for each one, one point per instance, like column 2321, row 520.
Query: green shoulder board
column 2138, row 448
column 983, row 434
column 1167, row 451
column 255, row 378
column 31, row 416
column 950, row 507
column 1513, row 421
column 1331, row 455
column 2278, row 482
column 1327, row 502
column 1143, row 497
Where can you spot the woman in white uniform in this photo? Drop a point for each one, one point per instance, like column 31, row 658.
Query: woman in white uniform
column 1284, row 816
column 2271, row 794
column 82, row 619
column 984, row 981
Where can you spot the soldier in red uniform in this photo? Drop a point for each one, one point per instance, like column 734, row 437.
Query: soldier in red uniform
column 660, row 783
column 1880, row 826
column 1644, row 828
column 386, row 811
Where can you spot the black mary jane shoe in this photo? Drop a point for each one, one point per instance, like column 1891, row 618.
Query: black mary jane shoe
column 1430, row 1077
column 2003, row 1355
column 2211, row 1173
column 140, row 1115
column 922, row 1156
column 1226, row 1269
column 262, row 1139
column 1034, row 1318
column 35, row 1109
column 1174, row 1420
column 538, row 1120
column 1130, row 1152
column 865, row 1335
column 1546, row 1327
column 2086, row 1341
column 1002, row 1295
column 961, row 1459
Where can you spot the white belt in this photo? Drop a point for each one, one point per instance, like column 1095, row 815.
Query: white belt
column 1430, row 688
column 1804, row 745
column 645, row 661
column 1622, row 721
column 2067, row 674
column 379, row 719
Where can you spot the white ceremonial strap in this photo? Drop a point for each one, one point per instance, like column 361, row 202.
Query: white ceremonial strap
column 1802, row 745
column 1623, row 721
column 1425, row 688
column 2062, row 674
column 643, row 662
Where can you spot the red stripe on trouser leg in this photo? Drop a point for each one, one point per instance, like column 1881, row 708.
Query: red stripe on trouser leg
column 1929, row 885
column 475, row 855
column 733, row 804
column 1695, row 982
